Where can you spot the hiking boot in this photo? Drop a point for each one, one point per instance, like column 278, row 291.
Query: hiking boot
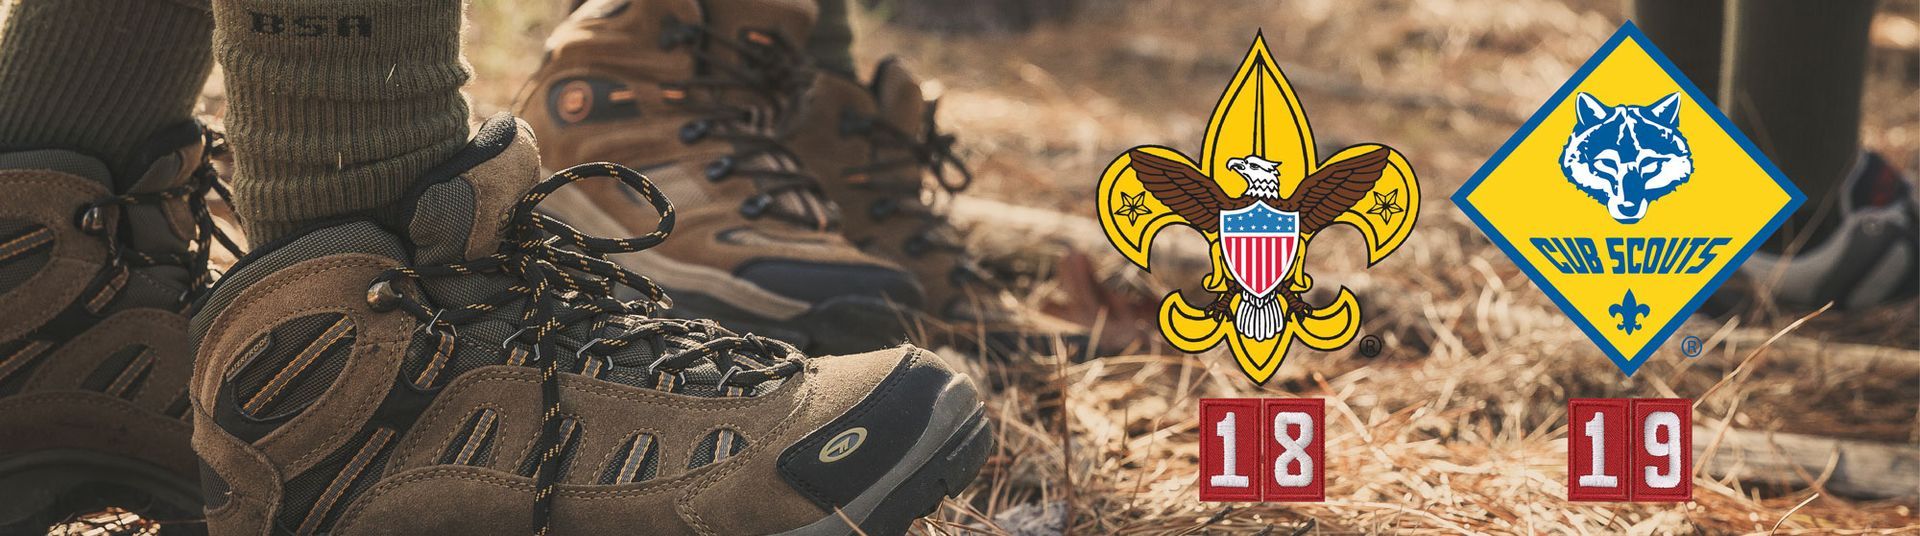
column 1870, row 258
column 874, row 147
column 471, row 374
column 692, row 93
column 98, row 262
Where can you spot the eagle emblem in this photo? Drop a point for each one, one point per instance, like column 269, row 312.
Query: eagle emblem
column 1259, row 194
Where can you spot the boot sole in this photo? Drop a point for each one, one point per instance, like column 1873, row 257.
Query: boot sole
column 39, row 489
column 943, row 462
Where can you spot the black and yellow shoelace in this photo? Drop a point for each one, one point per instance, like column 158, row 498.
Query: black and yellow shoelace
column 564, row 279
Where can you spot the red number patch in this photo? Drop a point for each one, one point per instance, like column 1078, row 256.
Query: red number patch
column 1663, row 456
column 1622, row 449
column 1262, row 449
column 1229, row 449
column 1597, row 449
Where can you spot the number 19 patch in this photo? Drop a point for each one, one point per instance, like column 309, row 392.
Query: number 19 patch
column 1638, row 450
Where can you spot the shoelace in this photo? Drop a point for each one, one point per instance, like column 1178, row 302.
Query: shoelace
column 98, row 218
column 930, row 150
column 771, row 70
column 565, row 279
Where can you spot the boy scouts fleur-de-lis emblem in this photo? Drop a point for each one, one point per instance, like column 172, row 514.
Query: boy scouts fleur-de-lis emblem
column 1259, row 194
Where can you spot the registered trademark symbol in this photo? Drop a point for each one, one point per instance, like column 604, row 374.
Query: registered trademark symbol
column 1370, row 346
column 1690, row 346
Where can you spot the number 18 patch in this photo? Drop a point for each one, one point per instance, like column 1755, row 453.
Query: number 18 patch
column 1628, row 198
column 1254, row 449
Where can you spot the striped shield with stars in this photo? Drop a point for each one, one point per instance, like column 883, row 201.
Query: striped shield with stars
column 1259, row 243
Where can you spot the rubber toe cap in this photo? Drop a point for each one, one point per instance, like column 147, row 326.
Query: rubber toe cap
column 890, row 432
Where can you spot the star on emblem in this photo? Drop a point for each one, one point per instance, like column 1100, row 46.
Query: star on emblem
column 1386, row 205
column 1133, row 207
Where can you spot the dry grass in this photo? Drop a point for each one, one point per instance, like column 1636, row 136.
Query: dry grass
column 1459, row 427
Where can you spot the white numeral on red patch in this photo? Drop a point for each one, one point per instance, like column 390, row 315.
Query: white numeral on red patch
column 1293, row 449
column 1293, row 431
column 1229, row 478
column 1230, row 445
column 1597, row 476
column 1669, row 449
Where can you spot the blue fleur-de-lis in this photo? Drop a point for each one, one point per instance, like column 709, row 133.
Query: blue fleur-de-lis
column 1629, row 312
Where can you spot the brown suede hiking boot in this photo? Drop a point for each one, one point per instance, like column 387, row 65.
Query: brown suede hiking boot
column 873, row 147
column 471, row 374
column 97, row 265
column 692, row 93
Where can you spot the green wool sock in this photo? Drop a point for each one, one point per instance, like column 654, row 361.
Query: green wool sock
column 336, row 107
column 831, row 43
column 99, row 76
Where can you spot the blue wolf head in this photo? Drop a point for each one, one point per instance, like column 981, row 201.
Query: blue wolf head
column 1627, row 156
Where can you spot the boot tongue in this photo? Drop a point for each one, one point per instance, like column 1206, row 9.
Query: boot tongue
column 170, row 158
column 167, row 160
column 462, row 214
column 898, row 102
column 899, row 97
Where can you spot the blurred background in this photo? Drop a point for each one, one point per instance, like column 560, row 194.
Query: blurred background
column 1457, row 424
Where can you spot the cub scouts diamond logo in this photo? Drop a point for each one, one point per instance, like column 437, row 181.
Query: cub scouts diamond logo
column 1628, row 198
column 1259, row 192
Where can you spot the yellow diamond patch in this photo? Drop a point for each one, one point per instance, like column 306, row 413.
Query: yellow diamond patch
column 1628, row 198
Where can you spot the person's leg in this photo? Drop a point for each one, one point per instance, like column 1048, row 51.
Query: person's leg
column 1689, row 33
column 99, row 76
column 831, row 44
column 336, row 107
column 1793, row 80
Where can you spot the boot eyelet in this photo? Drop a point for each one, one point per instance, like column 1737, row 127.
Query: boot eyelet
column 694, row 131
column 883, row 208
column 382, row 297
column 755, row 206
column 93, row 220
column 720, row 168
column 758, row 37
